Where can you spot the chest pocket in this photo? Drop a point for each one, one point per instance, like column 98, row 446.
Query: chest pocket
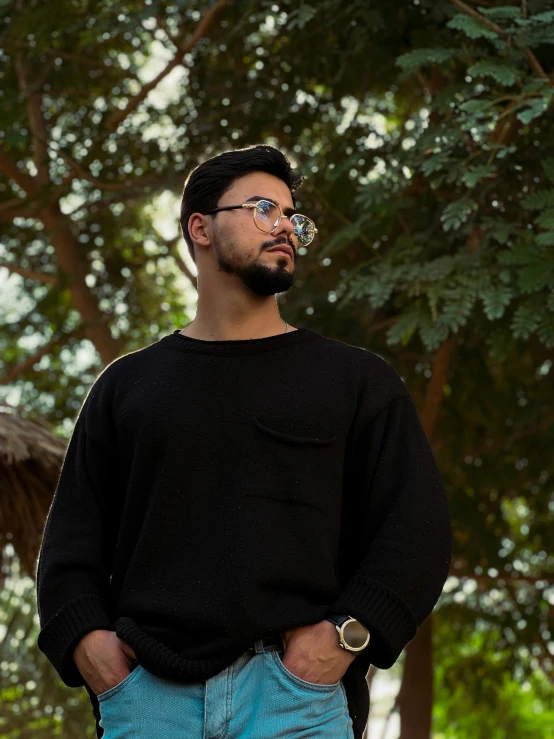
column 295, row 461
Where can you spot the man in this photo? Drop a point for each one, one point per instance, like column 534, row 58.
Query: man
column 249, row 513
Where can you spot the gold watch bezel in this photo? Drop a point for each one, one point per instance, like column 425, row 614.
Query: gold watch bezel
column 343, row 643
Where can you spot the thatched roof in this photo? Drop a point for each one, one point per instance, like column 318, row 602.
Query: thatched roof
column 30, row 462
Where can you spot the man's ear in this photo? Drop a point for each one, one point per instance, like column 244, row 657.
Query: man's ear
column 197, row 229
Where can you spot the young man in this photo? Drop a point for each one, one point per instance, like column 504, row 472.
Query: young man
column 249, row 513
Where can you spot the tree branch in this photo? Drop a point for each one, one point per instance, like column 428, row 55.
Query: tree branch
column 174, row 251
column 471, row 11
column 162, row 26
column 37, row 122
column 84, row 174
column 16, row 208
column 202, row 28
column 28, row 363
column 507, row 577
column 62, row 54
column 505, row 443
column 533, row 61
column 43, row 277
column 9, row 167
column 380, row 325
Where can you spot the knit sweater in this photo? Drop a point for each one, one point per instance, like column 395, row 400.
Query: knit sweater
column 217, row 492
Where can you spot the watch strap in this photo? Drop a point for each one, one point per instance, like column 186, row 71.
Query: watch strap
column 337, row 619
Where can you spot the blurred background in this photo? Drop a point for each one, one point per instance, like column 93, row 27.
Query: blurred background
column 425, row 130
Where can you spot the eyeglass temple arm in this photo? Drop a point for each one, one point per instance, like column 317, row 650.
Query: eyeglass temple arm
column 226, row 207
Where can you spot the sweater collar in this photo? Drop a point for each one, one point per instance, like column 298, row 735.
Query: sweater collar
column 179, row 342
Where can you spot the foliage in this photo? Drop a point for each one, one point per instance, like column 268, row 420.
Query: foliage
column 34, row 703
column 473, row 172
column 505, row 705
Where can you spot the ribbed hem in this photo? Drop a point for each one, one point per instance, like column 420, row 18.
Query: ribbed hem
column 61, row 634
column 160, row 660
column 234, row 347
column 388, row 617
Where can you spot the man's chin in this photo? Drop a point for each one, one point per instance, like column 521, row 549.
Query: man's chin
column 268, row 282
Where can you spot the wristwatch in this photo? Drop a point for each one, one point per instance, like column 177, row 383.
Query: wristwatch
column 353, row 636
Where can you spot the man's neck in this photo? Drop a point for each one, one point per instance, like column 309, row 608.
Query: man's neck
column 196, row 332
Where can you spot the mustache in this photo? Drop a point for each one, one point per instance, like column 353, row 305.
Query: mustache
column 278, row 242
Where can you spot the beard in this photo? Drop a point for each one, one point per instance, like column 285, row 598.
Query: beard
column 259, row 277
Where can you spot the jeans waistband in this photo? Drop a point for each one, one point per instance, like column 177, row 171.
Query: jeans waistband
column 268, row 644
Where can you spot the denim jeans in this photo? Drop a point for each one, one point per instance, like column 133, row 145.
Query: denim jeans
column 254, row 698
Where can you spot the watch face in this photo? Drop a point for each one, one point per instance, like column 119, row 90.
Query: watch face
column 355, row 635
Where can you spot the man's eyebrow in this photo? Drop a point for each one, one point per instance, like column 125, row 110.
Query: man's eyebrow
column 287, row 211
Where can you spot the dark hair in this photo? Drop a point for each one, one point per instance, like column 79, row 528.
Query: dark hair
column 208, row 182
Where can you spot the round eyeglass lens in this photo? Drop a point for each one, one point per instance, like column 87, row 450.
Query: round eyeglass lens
column 303, row 229
column 266, row 215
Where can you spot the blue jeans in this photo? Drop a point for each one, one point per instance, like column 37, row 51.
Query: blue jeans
column 254, row 698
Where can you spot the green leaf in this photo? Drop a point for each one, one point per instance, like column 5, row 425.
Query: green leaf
column 534, row 277
column 496, row 300
column 519, row 256
column 504, row 13
column 435, row 163
column 525, row 320
column 548, row 168
column 545, row 330
column 546, row 218
column 504, row 150
column 457, row 213
column 472, row 27
column 473, row 175
column 535, row 36
column 538, row 84
column 475, row 106
column 378, row 292
column 538, row 200
column 413, row 60
column 438, row 269
column 402, row 331
column 545, row 239
column 457, row 307
column 506, row 75
column 301, row 17
column 433, row 333
column 542, row 18
column 535, row 109
column 500, row 231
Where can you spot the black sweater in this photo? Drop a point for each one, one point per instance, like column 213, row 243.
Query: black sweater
column 216, row 492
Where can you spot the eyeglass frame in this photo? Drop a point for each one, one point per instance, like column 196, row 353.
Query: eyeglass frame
column 254, row 205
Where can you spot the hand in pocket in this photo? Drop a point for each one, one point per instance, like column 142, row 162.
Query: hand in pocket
column 103, row 659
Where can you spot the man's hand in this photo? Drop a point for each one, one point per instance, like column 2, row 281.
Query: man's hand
column 103, row 659
column 313, row 653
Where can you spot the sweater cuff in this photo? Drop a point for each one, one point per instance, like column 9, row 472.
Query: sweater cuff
column 61, row 634
column 388, row 617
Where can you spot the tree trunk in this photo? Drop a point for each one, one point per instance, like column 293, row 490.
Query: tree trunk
column 415, row 698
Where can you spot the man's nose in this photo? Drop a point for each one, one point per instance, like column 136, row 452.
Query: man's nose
column 284, row 226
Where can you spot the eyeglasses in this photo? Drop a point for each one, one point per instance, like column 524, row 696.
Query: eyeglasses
column 268, row 216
